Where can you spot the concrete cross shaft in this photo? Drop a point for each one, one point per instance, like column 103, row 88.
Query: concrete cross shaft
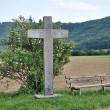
column 48, row 33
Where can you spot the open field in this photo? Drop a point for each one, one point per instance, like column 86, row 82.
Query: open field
column 77, row 66
column 90, row 100
column 84, row 65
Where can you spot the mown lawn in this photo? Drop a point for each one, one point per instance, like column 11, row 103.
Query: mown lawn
column 90, row 100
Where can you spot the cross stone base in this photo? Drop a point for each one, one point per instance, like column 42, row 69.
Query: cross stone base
column 42, row 96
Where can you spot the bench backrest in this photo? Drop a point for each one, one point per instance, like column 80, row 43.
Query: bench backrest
column 80, row 79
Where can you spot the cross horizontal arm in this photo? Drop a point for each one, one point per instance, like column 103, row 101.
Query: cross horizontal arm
column 57, row 33
column 45, row 33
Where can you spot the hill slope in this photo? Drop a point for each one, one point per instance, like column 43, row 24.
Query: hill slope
column 3, row 27
column 94, row 34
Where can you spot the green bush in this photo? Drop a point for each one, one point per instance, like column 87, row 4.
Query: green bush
column 22, row 60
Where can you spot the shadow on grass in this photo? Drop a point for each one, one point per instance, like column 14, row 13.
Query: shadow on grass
column 63, row 92
column 85, row 92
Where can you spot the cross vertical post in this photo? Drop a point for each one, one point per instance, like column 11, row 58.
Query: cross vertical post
column 47, row 33
column 48, row 58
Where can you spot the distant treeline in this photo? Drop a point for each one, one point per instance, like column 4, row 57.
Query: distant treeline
column 93, row 34
column 90, row 52
column 3, row 28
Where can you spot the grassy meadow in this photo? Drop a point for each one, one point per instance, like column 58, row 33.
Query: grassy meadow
column 90, row 100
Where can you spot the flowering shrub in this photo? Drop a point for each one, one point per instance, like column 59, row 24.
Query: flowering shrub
column 22, row 60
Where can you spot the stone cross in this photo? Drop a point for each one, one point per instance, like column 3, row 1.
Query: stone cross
column 48, row 33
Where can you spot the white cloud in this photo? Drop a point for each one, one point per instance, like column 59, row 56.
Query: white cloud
column 76, row 5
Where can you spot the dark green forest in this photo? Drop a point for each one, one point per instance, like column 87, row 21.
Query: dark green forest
column 3, row 28
column 90, row 35
column 94, row 34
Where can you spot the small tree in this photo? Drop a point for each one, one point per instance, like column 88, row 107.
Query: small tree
column 22, row 60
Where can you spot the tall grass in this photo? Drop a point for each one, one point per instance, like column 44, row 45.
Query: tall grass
column 90, row 100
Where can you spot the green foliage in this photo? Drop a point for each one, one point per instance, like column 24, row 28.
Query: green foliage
column 91, row 52
column 94, row 34
column 90, row 100
column 22, row 60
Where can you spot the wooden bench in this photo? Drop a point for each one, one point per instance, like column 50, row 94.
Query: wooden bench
column 86, row 82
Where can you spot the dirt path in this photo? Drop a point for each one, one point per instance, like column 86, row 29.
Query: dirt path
column 77, row 66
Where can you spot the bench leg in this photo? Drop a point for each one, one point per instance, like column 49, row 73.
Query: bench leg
column 80, row 92
column 102, row 88
column 72, row 91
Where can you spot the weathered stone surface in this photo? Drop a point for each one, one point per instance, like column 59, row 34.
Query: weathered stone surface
column 45, row 33
column 48, row 34
column 41, row 96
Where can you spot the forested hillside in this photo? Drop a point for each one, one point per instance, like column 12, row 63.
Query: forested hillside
column 94, row 34
column 3, row 27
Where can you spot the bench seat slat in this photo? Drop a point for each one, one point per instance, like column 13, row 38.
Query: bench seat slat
column 97, row 79
column 74, row 77
column 88, row 86
column 85, row 79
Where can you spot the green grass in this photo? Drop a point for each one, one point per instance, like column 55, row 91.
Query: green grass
column 90, row 100
column 103, row 56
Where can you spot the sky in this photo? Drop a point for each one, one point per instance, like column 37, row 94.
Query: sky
column 60, row 10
